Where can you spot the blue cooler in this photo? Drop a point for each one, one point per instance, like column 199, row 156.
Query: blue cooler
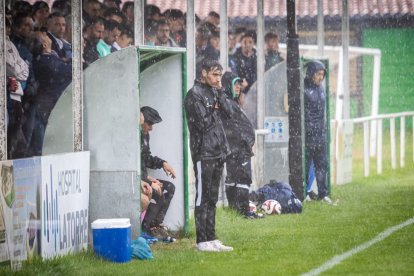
column 112, row 239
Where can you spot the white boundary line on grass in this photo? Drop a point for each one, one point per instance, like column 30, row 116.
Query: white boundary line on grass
column 339, row 258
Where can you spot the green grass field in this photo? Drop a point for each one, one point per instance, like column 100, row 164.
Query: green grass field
column 287, row 244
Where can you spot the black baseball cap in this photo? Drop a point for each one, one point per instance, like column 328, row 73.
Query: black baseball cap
column 151, row 115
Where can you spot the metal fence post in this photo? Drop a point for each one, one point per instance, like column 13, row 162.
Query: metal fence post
column 366, row 148
column 402, row 142
column 139, row 22
column 224, row 57
column 3, row 111
column 379, row 146
column 296, row 178
column 77, row 75
column 392, row 141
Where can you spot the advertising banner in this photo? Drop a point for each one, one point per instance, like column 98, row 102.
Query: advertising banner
column 43, row 206
column 65, row 199
column 24, row 241
column 7, row 197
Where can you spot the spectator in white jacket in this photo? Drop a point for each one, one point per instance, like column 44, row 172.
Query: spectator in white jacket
column 17, row 72
column 16, row 67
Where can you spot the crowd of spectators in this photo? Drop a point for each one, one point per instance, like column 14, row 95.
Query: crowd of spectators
column 40, row 37
column 39, row 45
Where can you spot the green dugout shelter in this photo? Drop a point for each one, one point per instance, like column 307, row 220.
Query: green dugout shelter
column 114, row 89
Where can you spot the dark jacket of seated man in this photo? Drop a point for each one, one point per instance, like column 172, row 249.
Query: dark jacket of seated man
column 163, row 191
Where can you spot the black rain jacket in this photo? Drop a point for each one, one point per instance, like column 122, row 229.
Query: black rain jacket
column 147, row 160
column 239, row 130
column 207, row 137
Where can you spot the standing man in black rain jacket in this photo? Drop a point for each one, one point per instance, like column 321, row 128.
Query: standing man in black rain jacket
column 204, row 105
column 240, row 136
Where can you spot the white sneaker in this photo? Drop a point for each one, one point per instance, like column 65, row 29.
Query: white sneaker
column 308, row 198
column 220, row 246
column 207, row 246
column 327, row 200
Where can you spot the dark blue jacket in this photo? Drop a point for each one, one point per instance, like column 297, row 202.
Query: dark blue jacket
column 53, row 75
column 65, row 52
column 244, row 67
column 281, row 192
column 211, row 53
column 315, row 100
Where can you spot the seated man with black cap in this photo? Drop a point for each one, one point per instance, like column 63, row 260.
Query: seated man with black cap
column 162, row 191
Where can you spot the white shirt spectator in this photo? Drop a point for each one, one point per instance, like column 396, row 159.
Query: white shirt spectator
column 15, row 67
